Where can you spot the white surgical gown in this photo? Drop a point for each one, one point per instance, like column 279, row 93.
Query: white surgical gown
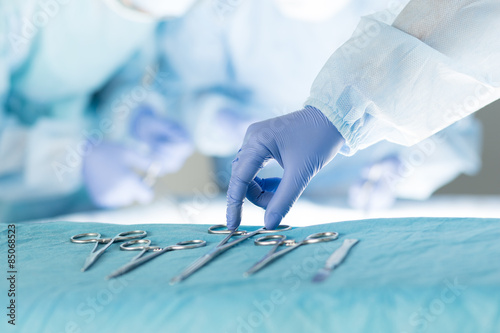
column 385, row 84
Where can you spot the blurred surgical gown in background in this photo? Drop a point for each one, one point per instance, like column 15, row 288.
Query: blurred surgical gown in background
column 257, row 60
column 87, row 110
column 72, row 76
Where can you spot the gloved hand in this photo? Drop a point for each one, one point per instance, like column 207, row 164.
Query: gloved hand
column 168, row 142
column 301, row 142
column 108, row 172
column 376, row 189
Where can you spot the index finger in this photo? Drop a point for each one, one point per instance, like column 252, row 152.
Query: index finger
column 246, row 165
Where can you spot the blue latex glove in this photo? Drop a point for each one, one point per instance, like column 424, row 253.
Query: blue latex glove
column 376, row 189
column 110, row 170
column 109, row 175
column 301, row 142
column 169, row 143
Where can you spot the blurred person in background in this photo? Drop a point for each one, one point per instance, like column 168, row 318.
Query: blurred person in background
column 73, row 75
column 234, row 65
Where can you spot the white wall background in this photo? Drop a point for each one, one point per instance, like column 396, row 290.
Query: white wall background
column 487, row 181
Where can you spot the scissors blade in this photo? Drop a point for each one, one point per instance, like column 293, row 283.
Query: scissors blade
column 135, row 263
column 94, row 255
column 91, row 259
column 203, row 260
column 268, row 259
column 334, row 260
column 195, row 266
column 122, row 270
column 256, row 267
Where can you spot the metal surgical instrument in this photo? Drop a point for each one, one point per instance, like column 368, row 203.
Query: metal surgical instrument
column 278, row 240
column 143, row 245
column 334, row 260
column 94, row 254
column 222, row 247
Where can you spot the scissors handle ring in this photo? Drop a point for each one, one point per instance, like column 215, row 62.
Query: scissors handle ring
column 320, row 237
column 129, row 245
column 134, row 234
column 215, row 229
column 191, row 244
column 278, row 229
column 77, row 238
column 269, row 240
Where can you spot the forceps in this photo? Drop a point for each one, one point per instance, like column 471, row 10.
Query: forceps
column 222, row 247
column 94, row 255
column 278, row 240
column 139, row 259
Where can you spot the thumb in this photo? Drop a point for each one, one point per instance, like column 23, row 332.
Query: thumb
column 289, row 190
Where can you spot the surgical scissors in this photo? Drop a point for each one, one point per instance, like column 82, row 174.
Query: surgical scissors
column 94, row 254
column 139, row 259
column 278, row 240
column 222, row 247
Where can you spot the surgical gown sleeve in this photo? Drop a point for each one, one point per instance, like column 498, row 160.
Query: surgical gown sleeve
column 386, row 84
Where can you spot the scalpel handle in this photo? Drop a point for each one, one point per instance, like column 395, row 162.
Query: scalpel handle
column 338, row 256
column 335, row 259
